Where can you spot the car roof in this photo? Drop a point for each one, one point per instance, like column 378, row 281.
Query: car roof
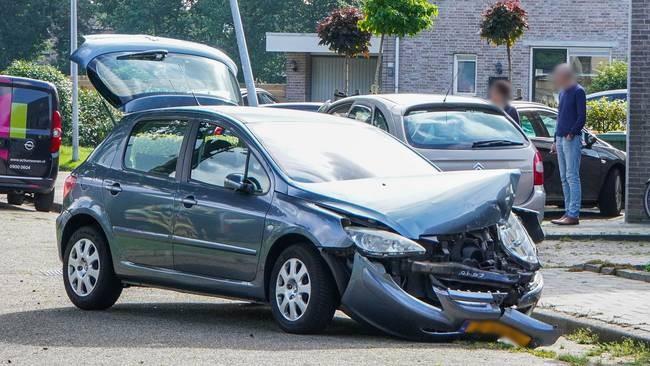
column 411, row 100
column 254, row 115
column 522, row 104
column 607, row 92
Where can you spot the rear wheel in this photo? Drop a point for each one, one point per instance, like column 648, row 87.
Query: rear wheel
column 303, row 293
column 611, row 195
column 14, row 198
column 88, row 275
column 44, row 201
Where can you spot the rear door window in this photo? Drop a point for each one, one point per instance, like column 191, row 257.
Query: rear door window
column 25, row 131
column 378, row 120
column 340, row 110
column 550, row 122
column 154, row 147
column 460, row 128
column 360, row 113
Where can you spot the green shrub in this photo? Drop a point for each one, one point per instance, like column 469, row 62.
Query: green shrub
column 606, row 116
column 94, row 122
column 610, row 77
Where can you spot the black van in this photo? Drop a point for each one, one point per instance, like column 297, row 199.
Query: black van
column 30, row 138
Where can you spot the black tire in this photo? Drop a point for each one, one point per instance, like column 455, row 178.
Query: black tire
column 43, row 202
column 322, row 301
column 107, row 287
column 610, row 201
column 15, row 199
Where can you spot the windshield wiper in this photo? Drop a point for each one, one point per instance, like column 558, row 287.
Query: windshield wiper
column 496, row 143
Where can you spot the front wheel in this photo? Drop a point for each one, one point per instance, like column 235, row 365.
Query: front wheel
column 611, row 196
column 88, row 275
column 302, row 292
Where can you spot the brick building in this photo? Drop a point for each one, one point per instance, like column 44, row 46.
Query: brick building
column 452, row 54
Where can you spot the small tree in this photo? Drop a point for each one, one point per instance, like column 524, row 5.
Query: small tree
column 396, row 18
column 503, row 24
column 610, row 77
column 341, row 33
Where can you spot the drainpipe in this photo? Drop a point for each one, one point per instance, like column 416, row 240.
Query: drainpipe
column 396, row 65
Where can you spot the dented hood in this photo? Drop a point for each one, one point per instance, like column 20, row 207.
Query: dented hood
column 445, row 203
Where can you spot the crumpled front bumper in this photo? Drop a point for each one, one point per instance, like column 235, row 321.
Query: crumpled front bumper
column 374, row 298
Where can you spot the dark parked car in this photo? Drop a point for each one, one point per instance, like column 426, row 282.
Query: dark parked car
column 305, row 211
column 610, row 95
column 30, row 138
column 602, row 169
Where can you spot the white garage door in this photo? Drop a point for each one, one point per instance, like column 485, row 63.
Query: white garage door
column 328, row 75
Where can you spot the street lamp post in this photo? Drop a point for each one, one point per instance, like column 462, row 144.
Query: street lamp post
column 243, row 54
column 74, row 73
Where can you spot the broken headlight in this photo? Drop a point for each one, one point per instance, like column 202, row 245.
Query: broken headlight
column 516, row 242
column 380, row 243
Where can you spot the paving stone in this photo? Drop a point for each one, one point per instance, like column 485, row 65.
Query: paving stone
column 608, row 270
column 593, row 267
column 611, row 299
column 634, row 275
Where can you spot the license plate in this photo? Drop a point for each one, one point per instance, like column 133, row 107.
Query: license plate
column 495, row 328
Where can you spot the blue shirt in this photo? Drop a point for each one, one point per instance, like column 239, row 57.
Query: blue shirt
column 512, row 112
column 572, row 112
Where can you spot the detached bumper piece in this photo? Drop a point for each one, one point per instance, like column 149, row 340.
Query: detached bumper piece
column 372, row 297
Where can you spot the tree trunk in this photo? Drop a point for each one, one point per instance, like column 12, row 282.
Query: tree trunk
column 509, row 63
column 347, row 76
column 379, row 60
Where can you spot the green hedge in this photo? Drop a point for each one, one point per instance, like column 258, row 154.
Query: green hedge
column 605, row 116
column 610, row 77
column 94, row 122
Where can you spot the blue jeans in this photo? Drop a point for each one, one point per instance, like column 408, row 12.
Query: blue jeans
column 569, row 154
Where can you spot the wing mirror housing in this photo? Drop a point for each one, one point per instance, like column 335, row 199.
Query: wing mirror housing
column 590, row 140
column 236, row 182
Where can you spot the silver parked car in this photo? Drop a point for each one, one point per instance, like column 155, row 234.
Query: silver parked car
column 456, row 133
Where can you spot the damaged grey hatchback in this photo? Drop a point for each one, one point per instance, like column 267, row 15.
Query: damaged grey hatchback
column 306, row 212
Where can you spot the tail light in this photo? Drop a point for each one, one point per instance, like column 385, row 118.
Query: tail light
column 68, row 184
column 538, row 169
column 57, row 132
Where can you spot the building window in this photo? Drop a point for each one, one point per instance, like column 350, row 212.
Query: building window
column 585, row 62
column 465, row 74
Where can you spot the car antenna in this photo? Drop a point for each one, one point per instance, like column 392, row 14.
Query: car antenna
column 453, row 81
column 187, row 84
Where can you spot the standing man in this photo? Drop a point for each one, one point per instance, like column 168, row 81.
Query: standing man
column 500, row 93
column 568, row 140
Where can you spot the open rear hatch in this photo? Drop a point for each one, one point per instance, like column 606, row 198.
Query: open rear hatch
column 27, row 110
column 137, row 72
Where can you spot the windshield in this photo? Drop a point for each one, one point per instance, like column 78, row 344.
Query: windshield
column 326, row 152
column 460, row 128
column 128, row 75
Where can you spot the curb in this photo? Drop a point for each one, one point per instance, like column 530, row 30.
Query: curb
column 606, row 332
column 599, row 236
column 635, row 273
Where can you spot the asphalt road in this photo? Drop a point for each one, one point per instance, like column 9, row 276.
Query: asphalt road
column 38, row 325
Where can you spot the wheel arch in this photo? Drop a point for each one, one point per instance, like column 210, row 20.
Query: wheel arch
column 77, row 221
column 335, row 266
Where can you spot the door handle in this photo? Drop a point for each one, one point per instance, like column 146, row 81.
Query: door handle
column 189, row 201
column 113, row 187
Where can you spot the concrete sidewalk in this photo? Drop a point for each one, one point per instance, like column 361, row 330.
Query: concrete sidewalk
column 609, row 305
column 593, row 228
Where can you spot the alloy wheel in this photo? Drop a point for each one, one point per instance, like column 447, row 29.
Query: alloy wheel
column 83, row 267
column 293, row 289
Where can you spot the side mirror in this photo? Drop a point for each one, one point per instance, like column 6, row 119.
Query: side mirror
column 236, row 182
column 590, row 140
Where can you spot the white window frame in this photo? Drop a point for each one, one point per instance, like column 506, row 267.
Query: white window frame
column 465, row 57
column 574, row 50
